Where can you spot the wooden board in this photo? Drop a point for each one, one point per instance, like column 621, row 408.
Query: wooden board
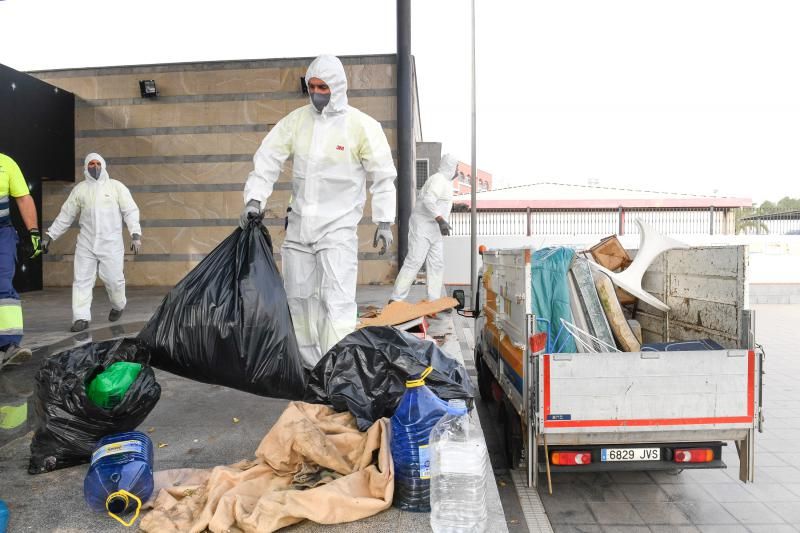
column 399, row 312
column 616, row 318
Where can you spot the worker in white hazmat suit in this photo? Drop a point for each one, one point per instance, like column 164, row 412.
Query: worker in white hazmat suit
column 103, row 204
column 425, row 230
column 335, row 149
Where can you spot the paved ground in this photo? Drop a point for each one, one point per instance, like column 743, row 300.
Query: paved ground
column 205, row 435
column 195, row 421
column 704, row 500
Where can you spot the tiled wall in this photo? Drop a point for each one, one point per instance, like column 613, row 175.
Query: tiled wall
column 185, row 155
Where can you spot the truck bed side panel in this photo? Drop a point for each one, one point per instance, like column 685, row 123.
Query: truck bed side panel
column 663, row 391
column 705, row 289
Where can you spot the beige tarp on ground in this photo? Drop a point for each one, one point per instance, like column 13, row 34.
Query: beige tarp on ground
column 347, row 475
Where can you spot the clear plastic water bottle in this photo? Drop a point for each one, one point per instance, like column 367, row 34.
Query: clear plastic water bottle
column 415, row 416
column 120, row 477
column 459, row 473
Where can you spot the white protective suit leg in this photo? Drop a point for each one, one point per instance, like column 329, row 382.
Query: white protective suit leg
column 434, row 267
column 338, row 262
column 302, row 292
column 320, row 284
column 418, row 246
column 84, row 267
column 111, row 273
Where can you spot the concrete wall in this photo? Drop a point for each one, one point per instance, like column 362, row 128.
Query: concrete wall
column 185, row 155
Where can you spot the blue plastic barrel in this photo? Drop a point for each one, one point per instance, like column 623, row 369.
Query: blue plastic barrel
column 3, row 517
column 417, row 413
column 120, row 477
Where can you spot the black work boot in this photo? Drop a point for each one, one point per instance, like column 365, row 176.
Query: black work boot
column 114, row 315
column 79, row 325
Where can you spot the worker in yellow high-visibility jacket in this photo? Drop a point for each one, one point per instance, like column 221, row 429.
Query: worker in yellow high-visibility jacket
column 13, row 185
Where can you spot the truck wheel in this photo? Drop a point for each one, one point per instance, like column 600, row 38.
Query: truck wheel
column 484, row 380
column 512, row 435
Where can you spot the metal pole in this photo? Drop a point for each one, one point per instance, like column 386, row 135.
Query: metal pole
column 528, row 221
column 711, row 218
column 405, row 128
column 473, row 193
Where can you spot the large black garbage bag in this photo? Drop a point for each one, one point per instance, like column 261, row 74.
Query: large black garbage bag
column 227, row 322
column 365, row 373
column 68, row 423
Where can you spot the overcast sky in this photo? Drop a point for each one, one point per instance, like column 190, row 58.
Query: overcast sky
column 687, row 95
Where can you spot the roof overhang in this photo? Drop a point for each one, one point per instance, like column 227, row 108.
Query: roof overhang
column 653, row 203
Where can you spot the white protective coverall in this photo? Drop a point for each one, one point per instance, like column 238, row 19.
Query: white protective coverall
column 334, row 152
column 102, row 203
column 435, row 199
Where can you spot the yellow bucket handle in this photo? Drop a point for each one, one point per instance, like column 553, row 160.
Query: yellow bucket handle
column 126, row 496
column 421, row 380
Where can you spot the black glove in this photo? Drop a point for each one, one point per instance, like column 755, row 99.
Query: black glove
column 251, row 210
column 36, row 243
column 383, row 233
column 444, row 227
column 136, row 244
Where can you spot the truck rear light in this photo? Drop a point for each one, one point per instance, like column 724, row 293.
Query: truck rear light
column 571, row 458
column 693, row 455
column 538, row 342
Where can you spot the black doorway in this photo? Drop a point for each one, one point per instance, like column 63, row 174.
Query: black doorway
column 37, row 130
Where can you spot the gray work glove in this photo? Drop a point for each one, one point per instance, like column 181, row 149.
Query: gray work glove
column 444, row 227
column 46, row 243
column 383, row 233
column 251, row 210
column 136, row 243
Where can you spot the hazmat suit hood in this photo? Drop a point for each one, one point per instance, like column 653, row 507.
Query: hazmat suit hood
column 447, row 166
column 103, row 173
column 330, row 70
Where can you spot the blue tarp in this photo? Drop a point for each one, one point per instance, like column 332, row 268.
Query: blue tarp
column 550, row 302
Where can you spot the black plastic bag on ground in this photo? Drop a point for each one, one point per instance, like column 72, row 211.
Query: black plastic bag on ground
column 68, row 423
column 227, row 322
column 366, row 373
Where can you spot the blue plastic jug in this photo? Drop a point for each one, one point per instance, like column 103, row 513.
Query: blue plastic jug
column 120, row 477
column 417, row 413
column 3, row 516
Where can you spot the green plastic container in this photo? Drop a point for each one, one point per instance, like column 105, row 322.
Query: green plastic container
column 108, row 388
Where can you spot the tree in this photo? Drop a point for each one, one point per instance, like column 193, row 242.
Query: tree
column 785, row 203
column 789, row 203
column 749, row 226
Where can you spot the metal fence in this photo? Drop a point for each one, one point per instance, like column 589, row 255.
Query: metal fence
column 491, row 223
column 769, row 222
column 597, row 221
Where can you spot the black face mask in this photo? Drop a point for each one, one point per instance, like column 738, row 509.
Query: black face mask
column 94, row 172
column 320, row 100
